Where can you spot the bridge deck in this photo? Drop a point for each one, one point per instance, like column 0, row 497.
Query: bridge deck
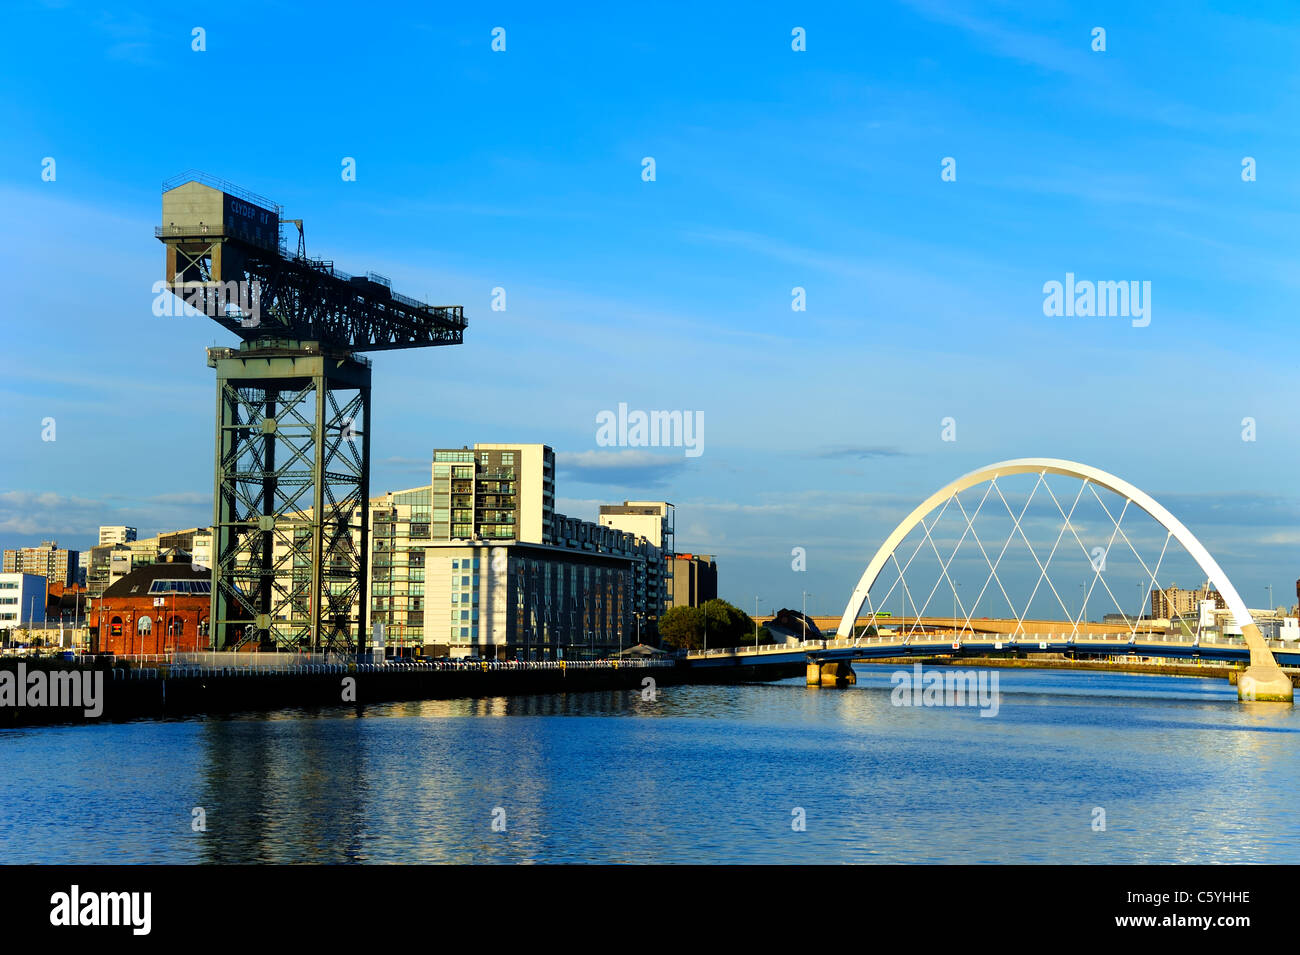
column 869, row 648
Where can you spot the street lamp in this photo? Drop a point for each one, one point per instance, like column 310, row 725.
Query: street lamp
column 756, row 623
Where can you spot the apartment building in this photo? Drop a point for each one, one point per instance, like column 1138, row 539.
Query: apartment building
column 1172, row 601
column 478, row 562
column 494, row 492
column 47, row 560
column 110, row 562
column 654, row 521
column 588, row 590
column 694, row 579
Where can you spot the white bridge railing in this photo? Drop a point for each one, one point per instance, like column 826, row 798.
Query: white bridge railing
column 1023, row 641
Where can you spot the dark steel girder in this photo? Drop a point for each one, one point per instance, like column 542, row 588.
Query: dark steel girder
column 308, row 299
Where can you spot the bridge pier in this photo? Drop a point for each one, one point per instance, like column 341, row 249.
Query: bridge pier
column 1263, row 681
column 1265, row 685
column 835, row 673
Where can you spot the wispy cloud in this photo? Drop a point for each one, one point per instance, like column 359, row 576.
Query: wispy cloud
column 1035, row 49
column 629, row 468
column 397, row 462
column 75, row 520
column 860, row 452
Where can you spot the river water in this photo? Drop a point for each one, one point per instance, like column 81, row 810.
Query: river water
column 1182, row 771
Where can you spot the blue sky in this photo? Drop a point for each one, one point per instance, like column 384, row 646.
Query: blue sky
column 774, row 169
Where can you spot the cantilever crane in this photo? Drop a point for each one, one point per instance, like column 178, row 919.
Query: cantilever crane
column 291, row 479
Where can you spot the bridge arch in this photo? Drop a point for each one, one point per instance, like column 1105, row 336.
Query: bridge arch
column 1259, row 651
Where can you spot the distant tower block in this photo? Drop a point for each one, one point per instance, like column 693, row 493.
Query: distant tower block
column 292, row 470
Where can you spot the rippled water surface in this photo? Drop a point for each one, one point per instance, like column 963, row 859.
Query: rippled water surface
column 1183, row 772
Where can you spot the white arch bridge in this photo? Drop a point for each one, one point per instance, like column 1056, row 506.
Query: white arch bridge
column 1263, row 679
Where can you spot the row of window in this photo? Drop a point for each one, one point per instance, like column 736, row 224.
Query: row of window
column 386, row 589
column 181, row 587
column 144, row 626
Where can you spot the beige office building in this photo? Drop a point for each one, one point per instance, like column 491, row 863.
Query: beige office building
column 110, row 534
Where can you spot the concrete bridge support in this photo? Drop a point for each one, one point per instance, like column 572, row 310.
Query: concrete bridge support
column 836, row 673
column 1263, row 681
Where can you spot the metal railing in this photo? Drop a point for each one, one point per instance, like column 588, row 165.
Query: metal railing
column 229, row 188
column 1019, row 641
column 234, row 663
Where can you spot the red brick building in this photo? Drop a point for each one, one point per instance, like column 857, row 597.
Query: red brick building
column 156, row 608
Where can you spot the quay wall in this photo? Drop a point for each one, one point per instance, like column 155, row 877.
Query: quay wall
column 169, row 691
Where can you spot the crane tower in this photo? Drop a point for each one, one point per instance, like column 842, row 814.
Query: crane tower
column 291, row 476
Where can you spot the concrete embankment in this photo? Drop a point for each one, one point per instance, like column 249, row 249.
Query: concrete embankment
column 118, row 693
column 49, row 691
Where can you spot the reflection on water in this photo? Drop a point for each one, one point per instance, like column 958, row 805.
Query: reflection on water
column 1184, row 772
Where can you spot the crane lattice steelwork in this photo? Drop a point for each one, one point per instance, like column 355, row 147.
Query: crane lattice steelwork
column 291, row 478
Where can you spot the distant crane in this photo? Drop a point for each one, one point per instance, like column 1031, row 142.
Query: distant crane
column 292, row 471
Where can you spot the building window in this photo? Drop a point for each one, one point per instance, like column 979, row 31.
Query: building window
column 115, row 628
column 177, row 627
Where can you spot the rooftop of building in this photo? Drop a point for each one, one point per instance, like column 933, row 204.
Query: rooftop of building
column 173, row 565
column 649, row 510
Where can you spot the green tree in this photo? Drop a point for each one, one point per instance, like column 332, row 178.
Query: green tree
column 682, row 628
column 715, row 624
column 727, row 624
